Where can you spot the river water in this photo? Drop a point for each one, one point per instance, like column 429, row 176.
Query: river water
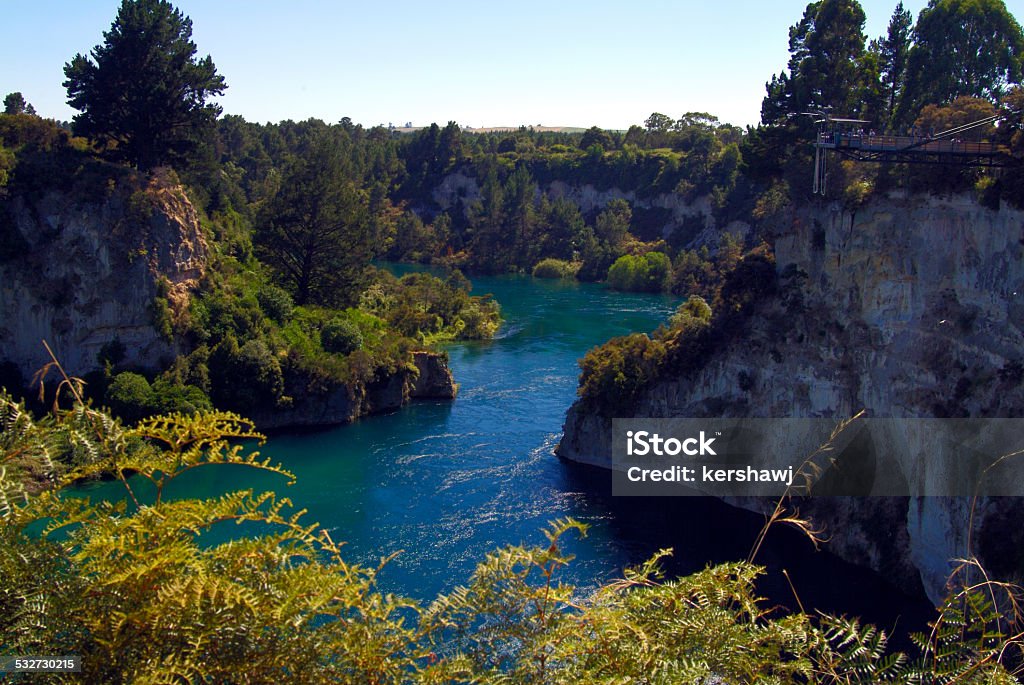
column 442, row 483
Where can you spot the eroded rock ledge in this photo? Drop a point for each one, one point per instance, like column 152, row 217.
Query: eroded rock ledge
column 86, row 270
column 430, row 378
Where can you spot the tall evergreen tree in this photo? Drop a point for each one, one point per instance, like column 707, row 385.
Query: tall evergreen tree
column 825, row 48
column 961, row 47
column 315, row 231
column 893, row 51
column 521, row 217
column 15, row 103
column 142, row 93
column 489, row 244
column 596, row 136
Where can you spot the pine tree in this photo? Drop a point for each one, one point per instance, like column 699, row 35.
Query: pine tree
column 893, row 50
column 142, row 93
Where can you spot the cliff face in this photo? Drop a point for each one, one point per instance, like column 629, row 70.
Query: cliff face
column 909, row 307
column 86, row 272
column 676, row 212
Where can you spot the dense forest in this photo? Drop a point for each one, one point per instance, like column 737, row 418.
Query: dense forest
column 296, row 213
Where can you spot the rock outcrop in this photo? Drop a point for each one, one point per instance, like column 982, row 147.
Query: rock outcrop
column 908, row 307
column 87, row 270
column 337, row 403
column 90, row 270
column 433, row 378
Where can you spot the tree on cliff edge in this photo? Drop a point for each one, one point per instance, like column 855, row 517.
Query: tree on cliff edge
column 826, row 49
column 143, row 94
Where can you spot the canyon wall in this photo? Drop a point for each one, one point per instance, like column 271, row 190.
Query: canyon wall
column 906, row 307
column 83, row 270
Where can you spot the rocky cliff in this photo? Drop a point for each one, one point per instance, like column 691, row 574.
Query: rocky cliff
column 907, row 307
column 675, row 213
column 87, row 269
column 427, row 378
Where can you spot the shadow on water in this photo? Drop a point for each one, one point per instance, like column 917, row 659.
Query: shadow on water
column 705, row 530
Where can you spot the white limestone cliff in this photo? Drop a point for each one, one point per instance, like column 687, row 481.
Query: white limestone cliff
column 907, row 307
column 86, row 270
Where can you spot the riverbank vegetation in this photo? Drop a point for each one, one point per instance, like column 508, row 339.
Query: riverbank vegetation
column 288, row 298
column 613, row 374
column 134, row 587
column 550, row 267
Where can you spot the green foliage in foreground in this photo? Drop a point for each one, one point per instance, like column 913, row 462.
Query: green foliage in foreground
column 132, row 588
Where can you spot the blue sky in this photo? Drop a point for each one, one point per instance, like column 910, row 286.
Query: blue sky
column 555, row 63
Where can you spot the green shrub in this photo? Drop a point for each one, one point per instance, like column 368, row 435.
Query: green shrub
column 232, row 307
column 640, row 273
column 245, row 378
column 341, row 336
column 422, row 306
column 614, row 373
column 694, row 272
column 856, row 193
column 481, row 318
column 275, row 303
column 658, row 267
column 232, row 232
column 988, row 190
column 25, row 130
column 130, row 396
column 169, row 398
column 622, row 274
column 162, row 320
column 694, row 312
column 554, row 268
column 191, row 369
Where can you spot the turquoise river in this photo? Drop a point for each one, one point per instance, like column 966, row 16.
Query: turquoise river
column 442, row 483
